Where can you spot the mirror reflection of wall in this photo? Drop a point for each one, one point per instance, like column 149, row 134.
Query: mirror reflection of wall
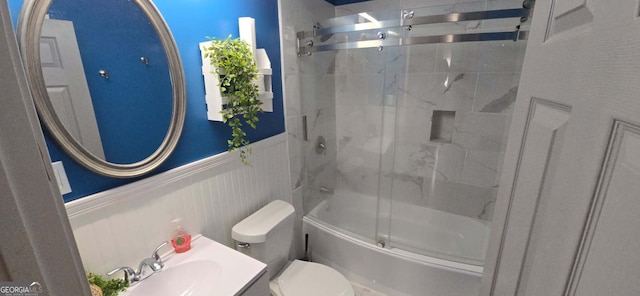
column 188, row 23
column 132, row 106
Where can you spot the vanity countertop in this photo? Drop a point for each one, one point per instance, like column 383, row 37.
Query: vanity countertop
column 231, row 271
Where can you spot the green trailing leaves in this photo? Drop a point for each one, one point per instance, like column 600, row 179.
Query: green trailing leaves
column 110, row 287
column 236, row 69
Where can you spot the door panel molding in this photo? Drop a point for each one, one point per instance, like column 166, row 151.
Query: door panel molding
column 568, row 6
column 612, row 161
column 49, row 53
column 575, row 18
column 564, row 16
column 63, row 70
column 583, row 240
column 550, row 21
column 534, row 167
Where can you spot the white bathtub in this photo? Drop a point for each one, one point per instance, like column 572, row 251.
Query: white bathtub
column 341, row 231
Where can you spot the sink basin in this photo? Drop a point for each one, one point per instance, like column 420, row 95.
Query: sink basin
column 209, row 268
column 190, row 278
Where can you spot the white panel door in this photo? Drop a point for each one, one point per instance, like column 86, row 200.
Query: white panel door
column 67, row 84
column 568, row 210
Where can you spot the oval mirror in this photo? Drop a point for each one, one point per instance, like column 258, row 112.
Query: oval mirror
column 107, row 81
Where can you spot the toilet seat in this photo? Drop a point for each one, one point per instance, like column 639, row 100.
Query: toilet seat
column 312, row 279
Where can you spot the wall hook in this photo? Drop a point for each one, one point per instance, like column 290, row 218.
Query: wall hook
column 104, row 74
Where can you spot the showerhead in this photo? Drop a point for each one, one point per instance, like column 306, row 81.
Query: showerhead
column 528, row 4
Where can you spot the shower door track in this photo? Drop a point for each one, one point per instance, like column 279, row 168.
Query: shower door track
column 450, row 38
column 306, row 43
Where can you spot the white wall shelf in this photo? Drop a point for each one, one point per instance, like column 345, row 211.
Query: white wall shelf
column 215, row 100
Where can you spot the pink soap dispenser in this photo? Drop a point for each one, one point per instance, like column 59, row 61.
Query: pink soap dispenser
column 181, row 240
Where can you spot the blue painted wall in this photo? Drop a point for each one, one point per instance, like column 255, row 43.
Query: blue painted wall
column 132, row 87
column 190, row 21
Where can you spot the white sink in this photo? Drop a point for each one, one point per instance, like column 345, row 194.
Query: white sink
column 190, row 278
column 209, row 268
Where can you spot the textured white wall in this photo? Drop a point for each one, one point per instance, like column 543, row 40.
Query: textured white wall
column 121, row 226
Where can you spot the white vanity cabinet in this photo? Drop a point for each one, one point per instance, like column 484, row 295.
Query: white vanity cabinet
column 259, row 287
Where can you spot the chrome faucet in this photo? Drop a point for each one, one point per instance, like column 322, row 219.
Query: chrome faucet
column 154, row 263
column 130, row 275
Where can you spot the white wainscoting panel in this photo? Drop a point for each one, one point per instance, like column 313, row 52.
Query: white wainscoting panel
column 121, row 226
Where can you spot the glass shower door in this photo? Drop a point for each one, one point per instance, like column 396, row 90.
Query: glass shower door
column 453, row 110
column 394, row 63
column 361, row 143
column 364, row 119
column 421, row 119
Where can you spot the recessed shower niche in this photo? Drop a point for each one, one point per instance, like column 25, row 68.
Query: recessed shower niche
column 418, row 139
column 442, row 124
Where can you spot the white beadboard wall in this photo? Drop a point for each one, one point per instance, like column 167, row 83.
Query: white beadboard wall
column 121, row 226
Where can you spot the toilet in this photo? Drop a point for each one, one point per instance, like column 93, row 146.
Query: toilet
column 267, row 235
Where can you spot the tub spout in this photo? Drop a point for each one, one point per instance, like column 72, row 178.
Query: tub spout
column 327, row 190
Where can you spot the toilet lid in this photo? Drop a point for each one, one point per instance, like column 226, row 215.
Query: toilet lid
column 313, row 279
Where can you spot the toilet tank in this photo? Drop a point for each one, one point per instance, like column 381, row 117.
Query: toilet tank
column 269, row 233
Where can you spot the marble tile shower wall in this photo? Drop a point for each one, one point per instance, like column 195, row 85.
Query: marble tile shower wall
column 309, row 92
column 385, row 101
column 365, row 118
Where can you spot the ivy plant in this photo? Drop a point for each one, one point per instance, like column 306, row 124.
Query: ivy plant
column 110, row 287
column 233, row 62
